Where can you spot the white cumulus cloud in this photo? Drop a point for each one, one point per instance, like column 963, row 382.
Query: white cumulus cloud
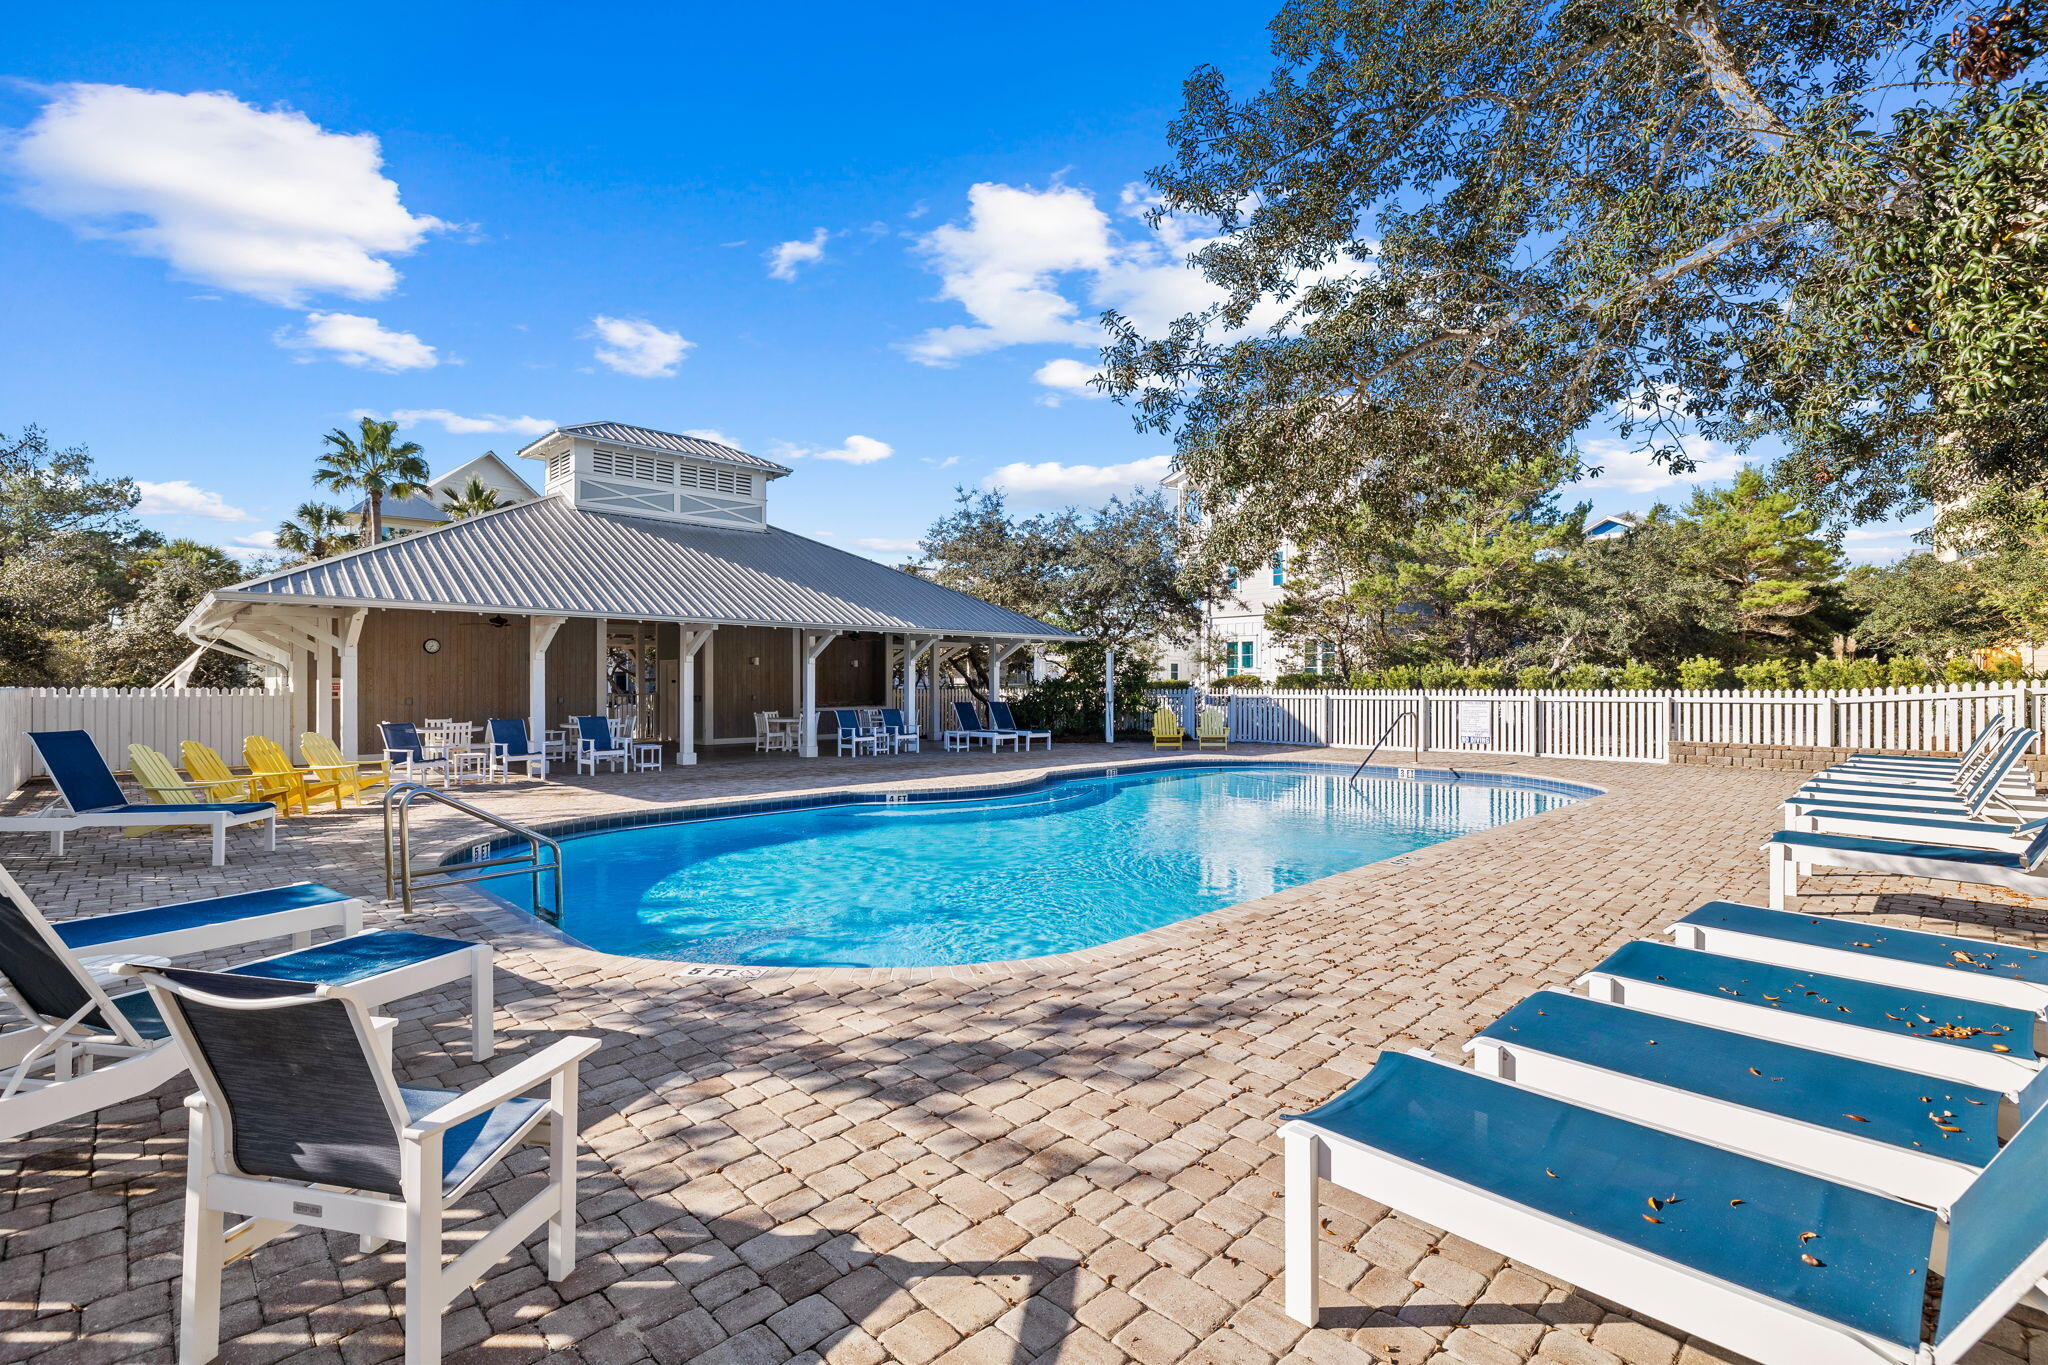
column 887, row 544
column 1052, row 484
column 179, row 498
column 1038, row 266
column 264, row 202
column 1065, row 378
column 637, row 347
column 789, row 257
column 712, row 434
column 455, row 424
column 359, row 341
column 252, row 546
column 853, row 450
column 1627, row 470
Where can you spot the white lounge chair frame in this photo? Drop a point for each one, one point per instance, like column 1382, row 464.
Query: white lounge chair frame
column 1790, row 862
column 1727, row 1314
column 268, row 1207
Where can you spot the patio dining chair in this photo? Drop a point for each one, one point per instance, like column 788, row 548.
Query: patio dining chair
column 510, row 745
column 299, row 1121
column 595, row 744
column 89, row 796
column 844, row 724
column 899, row 732
column 406, row 752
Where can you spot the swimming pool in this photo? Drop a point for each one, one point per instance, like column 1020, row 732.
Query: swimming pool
column 1068, row 863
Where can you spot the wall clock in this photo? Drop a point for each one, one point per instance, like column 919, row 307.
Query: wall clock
column 431, row 646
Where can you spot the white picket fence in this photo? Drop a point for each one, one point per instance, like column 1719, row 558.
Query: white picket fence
column 116, row 717
column 1629, row 727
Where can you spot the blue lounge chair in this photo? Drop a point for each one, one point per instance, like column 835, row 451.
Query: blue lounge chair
column 1779, row 1265
column 999, row 718
column 407, row 755
column 1969, row 1041
column 2001, row 781
column 596, row 744
column 298, row 1121
column 1920, row 1138
column 115, row 1045
column 968, row 729
column 899, row 732
column 509, row 745
column 844, row 724
column 1949, row 964
column 1792, row 852
column 1974, row 752
column 90, row 797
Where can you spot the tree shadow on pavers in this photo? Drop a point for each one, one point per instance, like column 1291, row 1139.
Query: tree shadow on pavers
column 1978, row 917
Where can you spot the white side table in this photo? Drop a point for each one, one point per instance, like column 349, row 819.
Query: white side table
column 646, row 755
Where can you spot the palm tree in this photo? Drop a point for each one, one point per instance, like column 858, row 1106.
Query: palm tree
column 372, row 464
column 475, row 497
column 316, row 531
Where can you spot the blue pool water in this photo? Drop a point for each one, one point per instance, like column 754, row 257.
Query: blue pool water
column 1048, row 870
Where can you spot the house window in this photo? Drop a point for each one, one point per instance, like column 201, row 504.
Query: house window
column 1320, row 658
column 1279, row 569
column 1173, row 672
column 1230, row 579
column 1241, row 655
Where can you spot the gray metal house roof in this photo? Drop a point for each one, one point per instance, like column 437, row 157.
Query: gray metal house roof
column 547, row 557
column 646, row 438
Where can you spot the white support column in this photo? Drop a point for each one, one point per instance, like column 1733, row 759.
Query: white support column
column 1109, row 696
column 296, row 678
column 540, row 633
column 693, row 639
column 323, row 684
column 351, row 695
column 604, row 670
column 998, row 655
column 814, row 645
column 914, row 650
column 937, row 708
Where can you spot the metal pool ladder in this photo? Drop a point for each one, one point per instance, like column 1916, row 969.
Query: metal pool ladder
column 400, row 874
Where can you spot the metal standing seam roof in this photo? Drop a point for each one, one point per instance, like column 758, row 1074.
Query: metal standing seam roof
column 547, row 557
column 696, row 447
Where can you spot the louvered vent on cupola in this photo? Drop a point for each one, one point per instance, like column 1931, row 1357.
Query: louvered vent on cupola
column 637, row 471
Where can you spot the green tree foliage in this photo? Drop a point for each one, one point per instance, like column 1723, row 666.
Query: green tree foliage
column 315, row 531
column 1762, row 551
column 1920, row 605
column 475, row 496
column 65, row 537
column 1486, row 225
column 1111, row 575
column 374, row 463
column 139, row 643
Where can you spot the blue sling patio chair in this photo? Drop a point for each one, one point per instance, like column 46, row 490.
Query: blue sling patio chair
column 967, row 729
column 843, row 724
column 88, row 796
column 899, row 732
column 510, row 745
column 1784, row 1266
column 299, row 1121
column 999, row 718
column 595, row 744
column 1972, row 1042
column 2001, row 782
column 2017, row 866
column 81, row 1049
column 1929, row 766
column 407, row 755
column 1916, row 1137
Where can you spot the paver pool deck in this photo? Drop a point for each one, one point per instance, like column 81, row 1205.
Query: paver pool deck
column 1069, row 1160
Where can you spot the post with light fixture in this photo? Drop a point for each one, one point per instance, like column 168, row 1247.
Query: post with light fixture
column 1108, row 695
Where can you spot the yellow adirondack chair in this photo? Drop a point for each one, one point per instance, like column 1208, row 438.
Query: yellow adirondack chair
column 1167, row 731
column 1212, row 728
column 211, row 774
column 157, row 777
column 324, row 756
column 267, row 758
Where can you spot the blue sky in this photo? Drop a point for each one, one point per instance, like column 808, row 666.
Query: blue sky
column 871, row 246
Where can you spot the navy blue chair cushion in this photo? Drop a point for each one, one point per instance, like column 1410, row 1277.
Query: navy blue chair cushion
column 1978, row 956
column 474, row 1141
column 340, row 961
column 127, row 924
column 78, row 770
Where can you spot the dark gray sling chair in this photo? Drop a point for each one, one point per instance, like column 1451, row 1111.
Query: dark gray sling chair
column 82, row 1049
column 299, row 1122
